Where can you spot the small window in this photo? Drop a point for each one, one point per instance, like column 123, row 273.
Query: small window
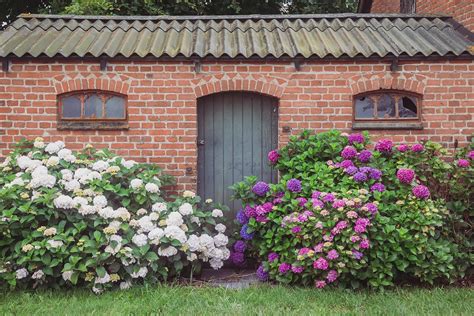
column 92, row 110
column 386, row 106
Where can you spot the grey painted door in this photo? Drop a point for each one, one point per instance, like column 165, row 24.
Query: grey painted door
column 236, row 130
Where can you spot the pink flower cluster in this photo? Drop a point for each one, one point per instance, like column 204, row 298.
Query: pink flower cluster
column 259, row 212
column 405, row 175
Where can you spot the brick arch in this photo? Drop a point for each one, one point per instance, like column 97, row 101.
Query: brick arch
column 411, row 83
column 118, row 84
column 261, row 84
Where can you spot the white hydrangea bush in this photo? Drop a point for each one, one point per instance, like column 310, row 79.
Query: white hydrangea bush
column 93, row 218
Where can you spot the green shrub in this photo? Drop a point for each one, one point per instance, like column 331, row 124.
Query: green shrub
column 94, row 218
column 421, row 230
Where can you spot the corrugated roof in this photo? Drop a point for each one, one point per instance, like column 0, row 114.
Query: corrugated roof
column 342, row 35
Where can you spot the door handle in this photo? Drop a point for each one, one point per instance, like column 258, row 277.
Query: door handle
column 200, row 142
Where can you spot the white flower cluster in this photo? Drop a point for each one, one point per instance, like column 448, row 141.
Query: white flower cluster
column 174, row 231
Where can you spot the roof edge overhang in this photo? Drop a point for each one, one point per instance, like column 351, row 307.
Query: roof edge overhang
column 228, row 17
column 182, row 58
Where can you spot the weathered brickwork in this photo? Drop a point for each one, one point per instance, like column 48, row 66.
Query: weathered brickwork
column 162, row 98
column 461, row 10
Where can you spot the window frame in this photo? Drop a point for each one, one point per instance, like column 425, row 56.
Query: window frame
column 103, row 94
column 395, row 120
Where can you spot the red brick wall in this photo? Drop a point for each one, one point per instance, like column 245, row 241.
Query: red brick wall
column 461, row 10
column 163, row 96
column 385, row 6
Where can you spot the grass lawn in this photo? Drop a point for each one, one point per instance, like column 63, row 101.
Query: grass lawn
column 261, row 300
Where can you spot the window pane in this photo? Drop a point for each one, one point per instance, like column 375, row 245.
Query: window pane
column 386, row 106
column 364, row 108
column 93, row 106
column 407, row 107
column 71, row 107
column 115, row 107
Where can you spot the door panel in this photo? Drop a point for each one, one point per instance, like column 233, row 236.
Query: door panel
column 236, row 130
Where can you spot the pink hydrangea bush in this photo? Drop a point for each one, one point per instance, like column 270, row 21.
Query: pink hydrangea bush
column 305, row 236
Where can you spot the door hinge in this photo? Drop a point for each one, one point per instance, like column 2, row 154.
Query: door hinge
column 200, row 142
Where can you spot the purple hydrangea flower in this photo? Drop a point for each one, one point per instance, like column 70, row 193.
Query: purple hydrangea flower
column 359, row 229
column 241, row 217
column 297, row 270
column 351, row 170
column 363, row 221
column 357, row 255
column 375, row 174
column 332, row 276
column 240, row 246
column 421, row 192
column 384, row 146
column 364, row 156
column 355, row 138
column 463, row 163
column 277, row 201
column 260, row 188
column 319, row 247
column 244, row 234
column 317, row 203
column 303, row 251
column 372, row 208
column 321, row 264
column 360, row 177
column 273, row 256
column 294, row 185
column 329, row 198
column 301, row 201
column 377, row 187
column 316, row 195
column 417, row 148
column 250, row 211
column 332, row 255
column 284, row 267
column 262, row 274
column 402, row 148
column 348, row 152
column 237, row 258
column 364, row 244
column 273, row 156
column 346, row 164
column 260, row 210
column 470, row 154
column 296, row 230
column 355, row 238
column 320, row 284
column 405, row 175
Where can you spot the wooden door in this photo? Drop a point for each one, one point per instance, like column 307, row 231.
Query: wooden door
column 236, row 130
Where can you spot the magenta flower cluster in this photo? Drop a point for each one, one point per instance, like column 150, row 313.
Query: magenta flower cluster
column 421, row 192
column 463, row 163
column 273, row 156
column 384, row 146
column 294, row 185
column 349, row 152
column 405, row 175
column 355, row 138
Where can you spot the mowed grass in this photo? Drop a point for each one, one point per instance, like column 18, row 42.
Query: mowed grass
column 259, row 300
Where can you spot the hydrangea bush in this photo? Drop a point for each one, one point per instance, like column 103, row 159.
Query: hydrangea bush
column 349, row 212
column 92, row 218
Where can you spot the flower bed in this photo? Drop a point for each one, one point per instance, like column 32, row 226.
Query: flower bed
column 344, row 213
column 94, row 218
